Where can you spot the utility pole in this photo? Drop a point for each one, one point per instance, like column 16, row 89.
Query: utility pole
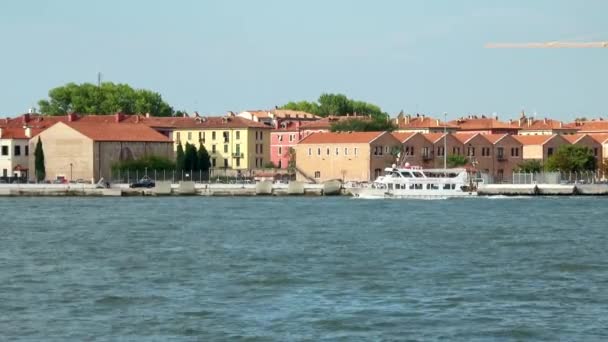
column 445, row 140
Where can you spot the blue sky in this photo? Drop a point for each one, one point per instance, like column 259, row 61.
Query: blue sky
column 213, row 56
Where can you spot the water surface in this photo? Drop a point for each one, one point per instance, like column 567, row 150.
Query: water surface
column 281, row 269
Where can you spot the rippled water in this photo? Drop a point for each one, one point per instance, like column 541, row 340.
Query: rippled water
column 280, row 269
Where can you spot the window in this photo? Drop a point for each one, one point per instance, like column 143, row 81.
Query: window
column 456, row 150
column 189, row 136
column 500, row 152
column 280, row 137
column 386, row 149
column 213, row 148
column 237, row 149
column 280, row 150
column 200, row 136
column 318, row 151
column 238, row 162
column 4, row 173
column 226, row 136
column 213, row 161
column 238, row 135
column 225, row 148
column 327, row 151
column 485, row 151
column 356, row 150
column 471, row 151
column 291, row 137
column 550, row 151
column 317, row 174
column 337, row 151
column 310, row 151
column 280, row 164
column 178, row 136
column 17, row 150
column 5, row 150
column 440, row 151
column 595, row 151
column 261, row 148
column 225, row 162
column 27, row 150
column 261, row 135
column 514, row 151
column 425, row 152
column 213, row 135
column 346, row 151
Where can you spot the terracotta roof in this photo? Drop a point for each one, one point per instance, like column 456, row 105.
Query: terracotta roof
column 405, row 122
column 403, row 136
column 117, row 132
column 600, row 137
column 483, row 123
column 18, row 133
column 260, row 114
column 533, row 139
column 325, row 123
column 177, row 122
column 494, row 138
column 433, row 137
column 574, row 138
column 545, row 125
column 464, row 137
column 599, row 126
column 341, row 137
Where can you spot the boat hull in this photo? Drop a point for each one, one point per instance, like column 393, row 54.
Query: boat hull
column 371, row 193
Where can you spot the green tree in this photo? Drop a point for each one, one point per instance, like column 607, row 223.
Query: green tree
column 572, row 158
column 179, row 157
column 338, row 105
column 457, row 160
column 291, row 163
column 530, row 166
column 39, row 168
column 108, row 98
column 190, row 158
column 204, row 162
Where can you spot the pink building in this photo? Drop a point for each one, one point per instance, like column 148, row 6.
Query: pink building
column 282, row 140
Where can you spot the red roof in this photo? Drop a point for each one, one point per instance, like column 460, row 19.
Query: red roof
column 341, row 137
column 464, row 137
column 18, row 133
column 484, row 123
column 533, row 139
column 420, row 122
column 599, row 126
column 403, row 136
column 602, row 138
column 117, row 132
column 494, row 138
column 433, row 137
column 546, row 125
column 325, row 123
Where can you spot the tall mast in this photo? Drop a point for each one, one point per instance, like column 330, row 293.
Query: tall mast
column 445, row 141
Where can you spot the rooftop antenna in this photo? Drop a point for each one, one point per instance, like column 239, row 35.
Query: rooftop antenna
column 98, row 79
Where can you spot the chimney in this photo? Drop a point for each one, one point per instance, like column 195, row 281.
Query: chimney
column 545, row 121
column 196, row 114
column 72, row 117
column 26, row 118
column 28, row 132
column 118, row 117
column 529, row 122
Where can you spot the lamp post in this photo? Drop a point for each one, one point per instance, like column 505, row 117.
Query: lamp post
column 445, row 141
column 71, row 178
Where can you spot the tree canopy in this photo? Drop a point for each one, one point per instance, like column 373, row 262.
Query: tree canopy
column 531, row 166
column 108, row 98
column 571, row 158
column 456, row 160
column 357, row 125
column 338, row 105
column 39, row 168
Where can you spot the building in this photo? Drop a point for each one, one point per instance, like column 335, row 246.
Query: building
column 282, row 141
column 506, row 156
column 531, row 126
column 275, row 117
column 14, row 153
column 86, row 150
column 586, row 140
column 433, row 157
column 591, row 126
column 413, row 148
column 422, row 124
column 540, row 147
column 484, row 125
column 233, row 142
column 348, row 156
column 324, row 124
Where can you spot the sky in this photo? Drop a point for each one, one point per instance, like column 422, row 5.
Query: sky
column 419, row 56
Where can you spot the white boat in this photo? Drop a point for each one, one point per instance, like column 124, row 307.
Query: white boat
column 417, row 183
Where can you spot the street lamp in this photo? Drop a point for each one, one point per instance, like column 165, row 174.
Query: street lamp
column 445, row 141
column 71, row 178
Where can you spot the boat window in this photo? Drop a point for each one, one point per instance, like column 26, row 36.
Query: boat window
column 418, row 174
column 406, row 174
column 447, row 186
column 453, row 186
column 390, row 186
column 395, row 175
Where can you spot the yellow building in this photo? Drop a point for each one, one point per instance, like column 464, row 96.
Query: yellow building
column 232, row 142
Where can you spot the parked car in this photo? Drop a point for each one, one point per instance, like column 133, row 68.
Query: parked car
column 145, row 182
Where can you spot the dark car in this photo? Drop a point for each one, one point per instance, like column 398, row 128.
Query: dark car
column 143, row 183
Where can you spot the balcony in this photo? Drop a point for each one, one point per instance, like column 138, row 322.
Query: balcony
column 501, row 158
column 238, row 155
